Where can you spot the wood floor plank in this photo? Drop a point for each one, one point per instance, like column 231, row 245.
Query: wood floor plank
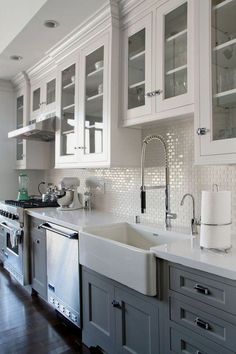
column 30, row 326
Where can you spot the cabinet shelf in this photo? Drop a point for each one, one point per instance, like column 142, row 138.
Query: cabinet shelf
column 69, row 87
column 95, row 97
column 177, row 35
column 70, row 131
column 222, row 4
column 224, row 45
column 96, row 72
column 137, row 84
column 20, row 108
column 69, row 108
column 226, row 98
column 137, row 56
column 180, row 68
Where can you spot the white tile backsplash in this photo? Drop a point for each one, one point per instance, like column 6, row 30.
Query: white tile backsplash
column 122, row 185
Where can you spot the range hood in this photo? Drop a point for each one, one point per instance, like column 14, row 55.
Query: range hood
column 43, row 130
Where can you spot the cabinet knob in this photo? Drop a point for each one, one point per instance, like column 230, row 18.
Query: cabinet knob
column 202, row 131
column 81, row 147
column 37, row 241
column 153, row 93
column 116, row 304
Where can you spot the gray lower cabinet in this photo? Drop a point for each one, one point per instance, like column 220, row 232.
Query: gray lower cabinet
column 117, row 319
column 38, row 258
column 202, row 311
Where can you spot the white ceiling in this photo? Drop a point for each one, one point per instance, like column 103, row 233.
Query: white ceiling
column 28, row 37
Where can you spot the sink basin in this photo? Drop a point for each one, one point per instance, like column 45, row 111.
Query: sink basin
column 123, row 252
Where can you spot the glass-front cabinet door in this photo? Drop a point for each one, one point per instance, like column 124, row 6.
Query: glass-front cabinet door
column 50, row 96
column 19, row 124
column 137, row 68
column 93, row 114
column 35, row 102
column 174, row 55
column 67, row 135
column 217, row 131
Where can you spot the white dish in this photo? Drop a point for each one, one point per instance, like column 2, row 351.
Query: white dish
column 98, row 64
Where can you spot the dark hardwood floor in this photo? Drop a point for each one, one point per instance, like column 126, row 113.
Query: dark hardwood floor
column 29, row 326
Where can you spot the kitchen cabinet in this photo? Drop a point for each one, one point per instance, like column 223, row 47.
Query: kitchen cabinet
column 28, row 154
column 67, row 132
column 201, row 312
column 118, row 319
column 158, row 63
column 87, row 131
column 215, row 127
column 43, row 96
column 38, row 257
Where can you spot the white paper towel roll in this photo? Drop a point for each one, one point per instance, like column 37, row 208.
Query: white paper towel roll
column 216, row 207
column 218, row 237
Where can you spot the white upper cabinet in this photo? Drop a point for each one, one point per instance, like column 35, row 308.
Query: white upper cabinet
column 137, row 56
column 87, row 133
column 174, row 53
column 158, row 64
column 216, row 114
column 67, row 132
column 43, row 97
column 29, row 154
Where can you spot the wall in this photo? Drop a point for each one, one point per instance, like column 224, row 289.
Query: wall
column 8, row 177
column 122, row 184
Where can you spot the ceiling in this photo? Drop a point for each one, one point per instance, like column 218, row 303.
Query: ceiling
column 28, row 37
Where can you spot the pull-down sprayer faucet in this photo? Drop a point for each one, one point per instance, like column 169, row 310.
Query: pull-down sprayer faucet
column 168, row 214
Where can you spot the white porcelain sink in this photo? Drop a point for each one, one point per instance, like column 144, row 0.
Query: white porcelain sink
column 122, row 252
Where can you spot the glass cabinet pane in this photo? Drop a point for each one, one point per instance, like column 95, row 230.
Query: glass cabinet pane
column 51, row 92
column 19, row 149
column 36, row 99
column 136, row 70
column 93, row 129
column 19, row 111
column 223, row 69
column 68, row 111
column 176, row 52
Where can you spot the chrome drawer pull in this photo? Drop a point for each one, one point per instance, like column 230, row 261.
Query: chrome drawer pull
column 116, row 304
column 201, row 289
column 202, row 324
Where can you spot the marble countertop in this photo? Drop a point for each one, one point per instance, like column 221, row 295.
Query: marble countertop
column 186, row 252
column 189, row 253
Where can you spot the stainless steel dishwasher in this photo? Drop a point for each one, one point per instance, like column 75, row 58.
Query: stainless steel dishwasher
column 63, row 271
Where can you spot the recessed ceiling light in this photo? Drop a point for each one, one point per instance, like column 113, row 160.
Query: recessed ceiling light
column 51, row 24
column 16, row 57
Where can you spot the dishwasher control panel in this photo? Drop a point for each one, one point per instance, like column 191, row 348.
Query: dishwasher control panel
column 65, row 310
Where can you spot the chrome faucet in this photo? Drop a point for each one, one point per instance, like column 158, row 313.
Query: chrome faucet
column 168, row 214
column 194, row 221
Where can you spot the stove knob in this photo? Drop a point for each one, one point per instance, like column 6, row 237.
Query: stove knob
column 15, row 217
column 7, row 214
column 10, row 215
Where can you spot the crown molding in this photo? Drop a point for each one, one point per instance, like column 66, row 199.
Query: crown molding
column 41, row 68
column 20, row 79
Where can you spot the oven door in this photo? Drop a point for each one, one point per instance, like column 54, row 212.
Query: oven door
column 12, row 248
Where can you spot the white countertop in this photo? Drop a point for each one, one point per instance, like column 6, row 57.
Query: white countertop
column 189, row 253
column 75, row 219
column 185, row 252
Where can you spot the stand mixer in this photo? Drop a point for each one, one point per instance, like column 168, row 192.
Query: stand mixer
column 70, row 200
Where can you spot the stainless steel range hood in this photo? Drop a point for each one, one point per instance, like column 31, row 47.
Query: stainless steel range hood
column 43, row 130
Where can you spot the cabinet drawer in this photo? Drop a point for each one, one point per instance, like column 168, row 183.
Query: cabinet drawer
column 201, row 288
column 188, row 344
column 203, row 323
column 34, row 223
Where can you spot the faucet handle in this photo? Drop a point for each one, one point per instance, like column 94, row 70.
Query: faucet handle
column 171, row 216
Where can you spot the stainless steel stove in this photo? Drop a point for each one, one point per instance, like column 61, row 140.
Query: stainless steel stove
column 14, row 238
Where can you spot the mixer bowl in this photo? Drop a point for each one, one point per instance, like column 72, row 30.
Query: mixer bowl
column 66, row 200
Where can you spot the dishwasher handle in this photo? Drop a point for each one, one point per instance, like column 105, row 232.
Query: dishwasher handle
column 47, row 226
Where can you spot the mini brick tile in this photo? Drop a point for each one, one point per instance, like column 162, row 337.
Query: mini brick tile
column 122, row 185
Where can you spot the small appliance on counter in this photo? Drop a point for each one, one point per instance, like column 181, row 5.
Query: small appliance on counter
column 23, row 187
column 216, row 219
column 70, row 199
